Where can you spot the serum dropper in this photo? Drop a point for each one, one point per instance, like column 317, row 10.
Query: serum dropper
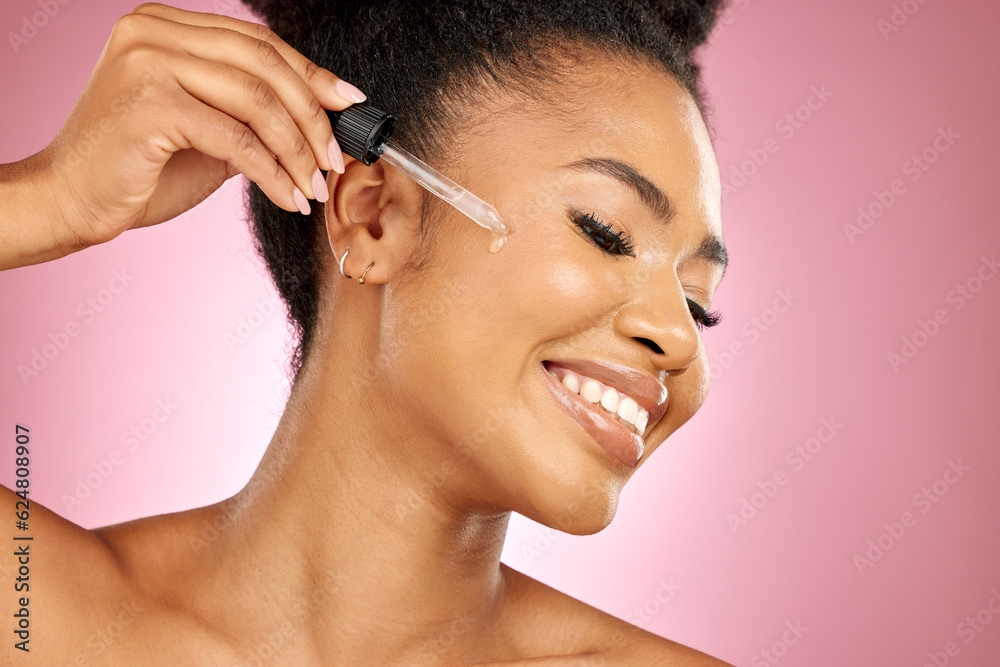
column 363, row 132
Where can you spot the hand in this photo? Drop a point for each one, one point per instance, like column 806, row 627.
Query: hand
column 178, row 103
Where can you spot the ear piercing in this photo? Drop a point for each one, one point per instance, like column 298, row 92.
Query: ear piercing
column 342, row 264
column 361, row 280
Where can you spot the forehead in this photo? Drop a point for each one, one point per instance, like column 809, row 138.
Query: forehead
column 601, row 108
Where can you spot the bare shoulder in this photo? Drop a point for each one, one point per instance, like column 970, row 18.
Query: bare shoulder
column 72, row 600
column 557, row 624
column 50, row 589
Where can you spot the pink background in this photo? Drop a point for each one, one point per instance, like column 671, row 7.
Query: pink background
column 825, row 357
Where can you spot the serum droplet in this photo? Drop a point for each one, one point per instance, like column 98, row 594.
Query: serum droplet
column 496, row 245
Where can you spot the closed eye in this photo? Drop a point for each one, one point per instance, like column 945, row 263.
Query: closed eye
column 604, row 237
column 702, row 318
column 620, row 244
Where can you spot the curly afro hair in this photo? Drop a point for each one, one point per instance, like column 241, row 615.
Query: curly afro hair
column 413, row 57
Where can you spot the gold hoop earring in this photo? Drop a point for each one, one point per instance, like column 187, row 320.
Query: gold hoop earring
column 361, row 280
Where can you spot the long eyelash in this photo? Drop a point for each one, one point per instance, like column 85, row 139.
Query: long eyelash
column 594, row 228
column 702, row 318
column 590, row 224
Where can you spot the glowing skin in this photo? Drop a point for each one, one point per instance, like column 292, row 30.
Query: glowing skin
column 422, row 416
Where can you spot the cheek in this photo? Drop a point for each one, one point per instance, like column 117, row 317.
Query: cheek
column 700, row 380
column 688, row 392
column 565, row 291
column 464, row 335
column 452, row 342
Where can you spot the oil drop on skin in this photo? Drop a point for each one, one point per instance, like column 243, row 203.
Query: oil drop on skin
column 363, row 133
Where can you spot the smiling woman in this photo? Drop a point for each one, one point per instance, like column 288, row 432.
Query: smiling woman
column 548, row 374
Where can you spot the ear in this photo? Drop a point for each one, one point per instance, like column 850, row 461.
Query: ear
column 375, row 211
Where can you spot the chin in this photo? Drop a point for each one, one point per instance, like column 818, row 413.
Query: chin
column 545, row 466
column 581, row 515
column 570, row 490
column 589, row 514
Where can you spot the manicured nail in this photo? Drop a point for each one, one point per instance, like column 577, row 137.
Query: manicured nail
column 301, row 201
column 319, row 187
column 349, row 92
column 336, row 157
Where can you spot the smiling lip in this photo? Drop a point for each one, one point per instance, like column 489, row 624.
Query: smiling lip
column 608, row 432
column 644, row 389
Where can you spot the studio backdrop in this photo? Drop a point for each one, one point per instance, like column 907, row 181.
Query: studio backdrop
column 834, row 502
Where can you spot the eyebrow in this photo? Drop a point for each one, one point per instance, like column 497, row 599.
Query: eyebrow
column 711, row 248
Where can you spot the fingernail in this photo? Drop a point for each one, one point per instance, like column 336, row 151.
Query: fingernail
column 301, row 201
column 319, row 187
column 336, row 157
column 349, row 92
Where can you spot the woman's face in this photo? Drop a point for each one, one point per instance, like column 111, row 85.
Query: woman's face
column 471, row 336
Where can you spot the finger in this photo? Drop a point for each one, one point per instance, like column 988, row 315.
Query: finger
column 325, row 84
column 221, row 136
column 254, row 103
column 262, row 60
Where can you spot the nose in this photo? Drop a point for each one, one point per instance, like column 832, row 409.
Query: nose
column 662, row 322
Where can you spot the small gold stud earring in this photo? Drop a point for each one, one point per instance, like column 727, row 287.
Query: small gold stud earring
column 361, row 280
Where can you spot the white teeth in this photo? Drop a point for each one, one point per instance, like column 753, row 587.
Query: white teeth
column 591, row 391
column 628, row 409
column 609, row 399
column 641, row 420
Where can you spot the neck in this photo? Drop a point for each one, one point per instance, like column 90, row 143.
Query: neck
column 359, row 517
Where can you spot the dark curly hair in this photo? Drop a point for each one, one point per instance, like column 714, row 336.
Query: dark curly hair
column 416, row 58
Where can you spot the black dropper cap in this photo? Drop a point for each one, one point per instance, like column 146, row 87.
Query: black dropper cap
column 362, row 130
